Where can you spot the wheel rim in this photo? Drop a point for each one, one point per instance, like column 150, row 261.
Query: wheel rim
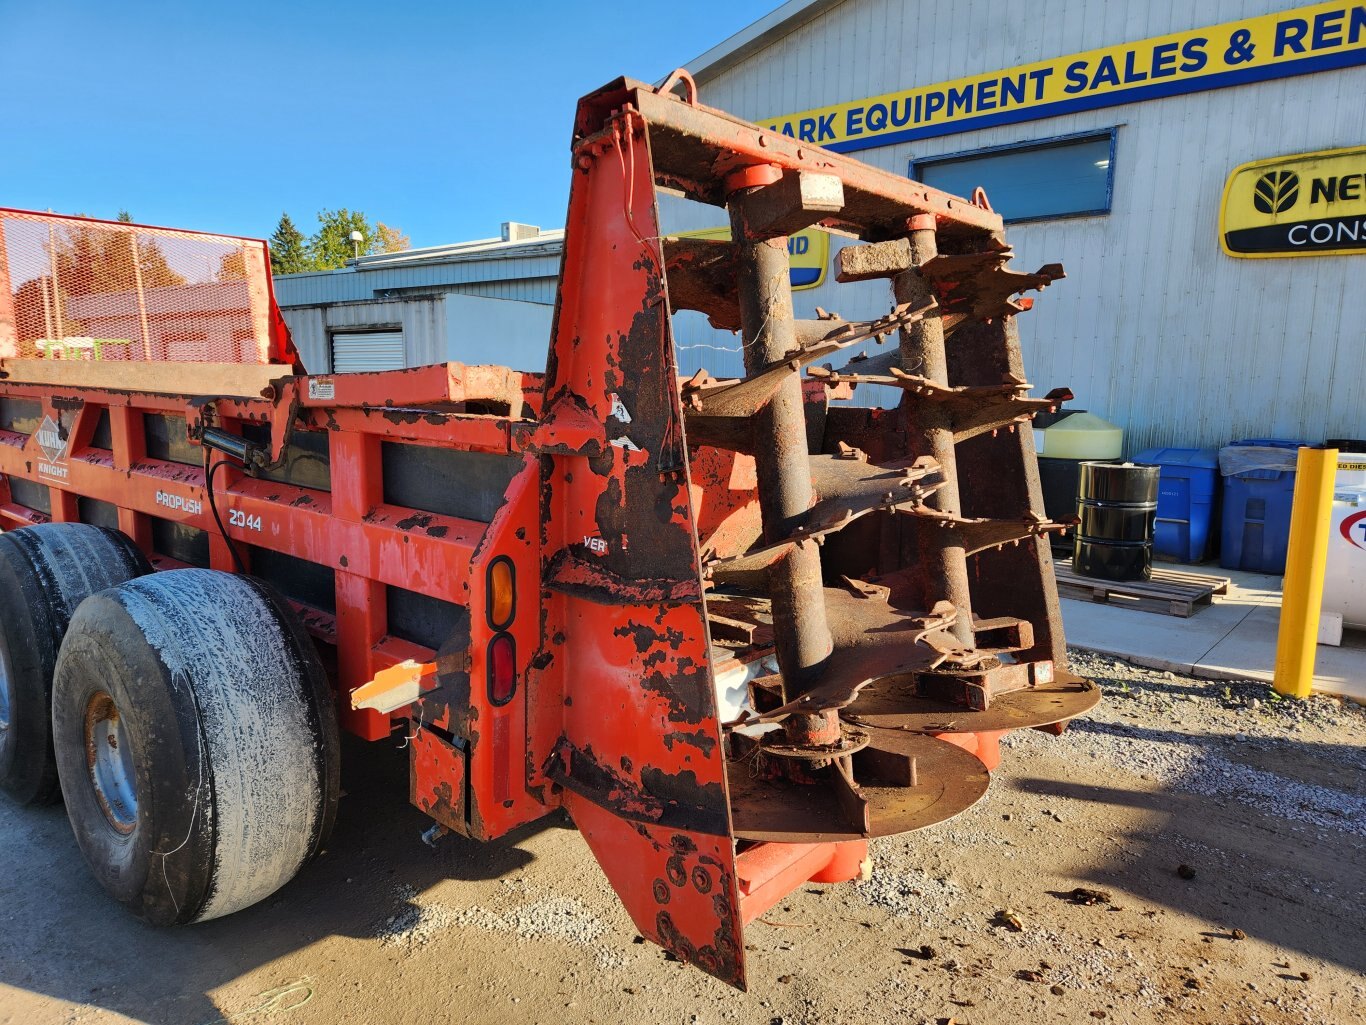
column 6, row 692
column 109, row 755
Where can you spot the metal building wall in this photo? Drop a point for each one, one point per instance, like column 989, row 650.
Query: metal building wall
column 351, row 285
column 423, row 322
column 511, row 334
column 308, row 328
column 1154, row 328
column 527, row 290
column 455, row 326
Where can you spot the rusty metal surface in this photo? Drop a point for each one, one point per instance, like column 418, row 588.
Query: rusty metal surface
column 971, row 409
column 999, row 477
column 949, row 780
column 623, row 724
column 844, row 489
column 759, row 503
column 722, row 412
column 941, row 554
column 978, row 285
column 242, row 380
column 688, row 140
column 783, row 470
column 892, row 703
column 702, row 278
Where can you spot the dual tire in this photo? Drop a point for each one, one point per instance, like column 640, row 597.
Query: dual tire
column 45, row 574
column 194, row 738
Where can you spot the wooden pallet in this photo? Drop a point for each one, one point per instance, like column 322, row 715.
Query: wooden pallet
column 1170, row 592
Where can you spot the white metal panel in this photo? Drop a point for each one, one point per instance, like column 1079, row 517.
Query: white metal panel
column 510, row 333
column 354, row 351
column 310, row 338
column 1154, row 328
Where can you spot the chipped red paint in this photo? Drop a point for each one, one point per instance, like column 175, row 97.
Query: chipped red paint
column 437, row 777
column 625, row 659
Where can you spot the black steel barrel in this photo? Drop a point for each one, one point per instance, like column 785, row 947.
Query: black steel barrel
column 1116, row 506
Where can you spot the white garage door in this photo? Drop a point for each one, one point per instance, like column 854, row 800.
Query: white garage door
column 367, row 350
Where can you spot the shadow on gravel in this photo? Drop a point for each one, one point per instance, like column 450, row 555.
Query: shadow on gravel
column 1270, row 832
column 61, row 936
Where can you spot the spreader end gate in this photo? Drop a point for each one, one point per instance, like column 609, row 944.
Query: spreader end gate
column 868, row 591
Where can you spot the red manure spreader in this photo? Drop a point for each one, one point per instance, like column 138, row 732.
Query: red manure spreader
column 735, row 628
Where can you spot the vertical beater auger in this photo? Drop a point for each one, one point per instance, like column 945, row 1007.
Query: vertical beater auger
column 822, row 618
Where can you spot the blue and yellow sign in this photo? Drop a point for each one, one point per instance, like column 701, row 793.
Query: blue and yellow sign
column 808, row 252
column 1294, row 42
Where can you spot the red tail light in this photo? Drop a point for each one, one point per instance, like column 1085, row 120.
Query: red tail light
column 502, row 669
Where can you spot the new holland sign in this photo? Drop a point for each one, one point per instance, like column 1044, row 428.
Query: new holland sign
column 808, row 251
column 1293, row 42
column 1309, row 204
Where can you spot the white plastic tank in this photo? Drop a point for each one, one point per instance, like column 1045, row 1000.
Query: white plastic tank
column 1344, row 584
column 1081, row 435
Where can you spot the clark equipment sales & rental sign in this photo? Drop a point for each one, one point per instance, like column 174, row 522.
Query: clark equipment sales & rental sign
column 1319, row 37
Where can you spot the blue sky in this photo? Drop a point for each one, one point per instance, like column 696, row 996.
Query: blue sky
column 443, row 119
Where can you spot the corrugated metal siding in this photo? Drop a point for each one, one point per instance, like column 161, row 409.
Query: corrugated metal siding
column 307, row 329
column 353, row 285
column 530, row 290
column 1155, row 328
column 423, row 320
column 410, row 295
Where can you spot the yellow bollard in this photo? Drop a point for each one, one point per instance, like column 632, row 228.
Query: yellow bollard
column 1305, row 562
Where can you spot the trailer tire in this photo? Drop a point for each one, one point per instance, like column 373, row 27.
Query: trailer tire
column 46, row 571
column 196, row 742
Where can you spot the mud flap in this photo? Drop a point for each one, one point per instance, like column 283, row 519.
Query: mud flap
column 678, row 886
column 642, row 770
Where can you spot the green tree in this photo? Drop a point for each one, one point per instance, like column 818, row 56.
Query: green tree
column 331, row 244
column 94, row 260
column 107, row 258
column 289, row 253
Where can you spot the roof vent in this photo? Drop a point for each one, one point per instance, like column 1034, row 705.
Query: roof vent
column 514, row 231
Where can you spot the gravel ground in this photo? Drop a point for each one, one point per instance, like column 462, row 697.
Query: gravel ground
column 1199, row 738
column 1214, row 831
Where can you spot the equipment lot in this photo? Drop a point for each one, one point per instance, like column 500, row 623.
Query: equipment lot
column 1263, row 799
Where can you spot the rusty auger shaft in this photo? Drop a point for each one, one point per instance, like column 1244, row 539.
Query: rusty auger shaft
column 801, row 633
column 943, row 558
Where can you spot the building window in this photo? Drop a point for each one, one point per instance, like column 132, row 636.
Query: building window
column 1070, row 176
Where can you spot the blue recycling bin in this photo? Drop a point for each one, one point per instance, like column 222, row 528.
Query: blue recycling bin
column 1256, row 523
column 1187, row 492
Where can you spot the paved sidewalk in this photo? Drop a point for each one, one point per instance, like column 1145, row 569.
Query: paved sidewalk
column 1234, row 638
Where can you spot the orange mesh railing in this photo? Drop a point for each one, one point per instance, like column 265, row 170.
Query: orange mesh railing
column 72, row 288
